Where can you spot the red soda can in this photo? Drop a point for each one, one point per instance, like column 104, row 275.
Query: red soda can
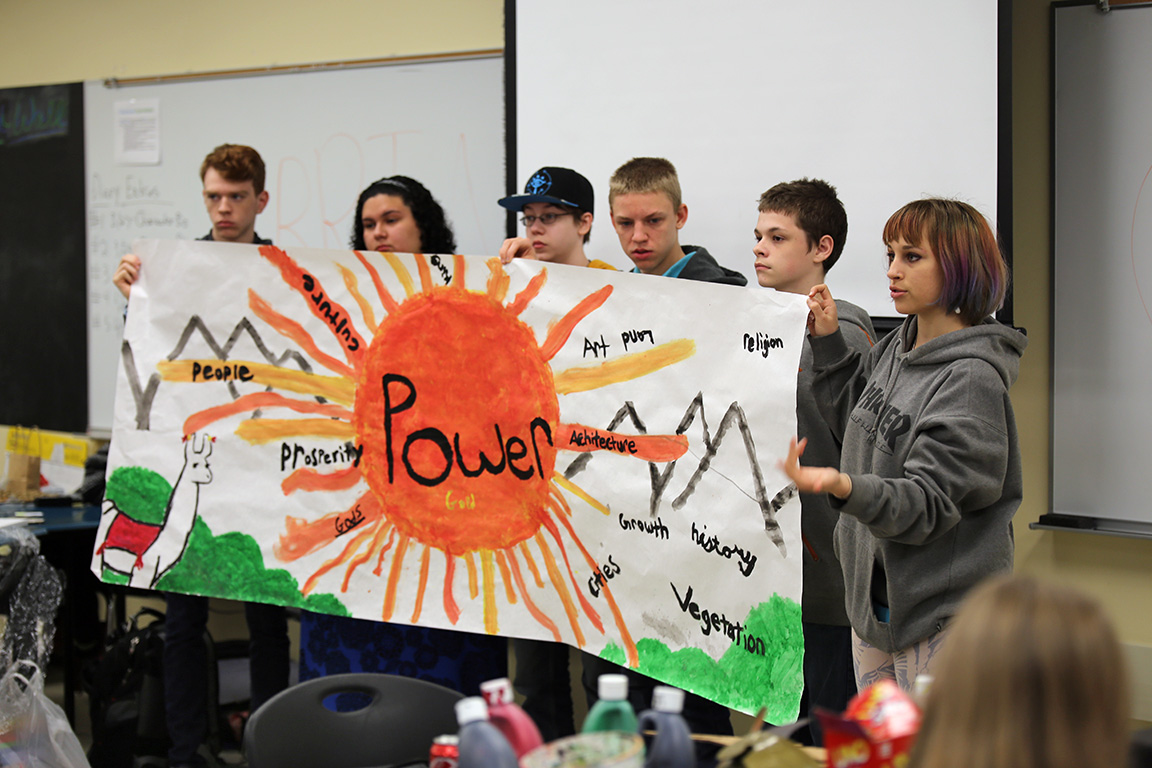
column 445, row 751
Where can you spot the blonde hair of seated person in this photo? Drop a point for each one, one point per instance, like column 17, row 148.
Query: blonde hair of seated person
column 1031, row 676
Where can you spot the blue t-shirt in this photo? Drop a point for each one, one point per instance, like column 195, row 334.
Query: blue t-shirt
column 675, row 269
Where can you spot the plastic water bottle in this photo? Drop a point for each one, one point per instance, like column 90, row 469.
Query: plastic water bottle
column 481, row 743
column 920, row 688
column 672, row 745
column 612, row 712
column 509, row 717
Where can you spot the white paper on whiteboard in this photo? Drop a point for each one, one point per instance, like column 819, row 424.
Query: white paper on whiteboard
column 136, row 132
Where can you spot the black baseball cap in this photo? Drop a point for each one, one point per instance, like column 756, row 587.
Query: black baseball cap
column 559, row 186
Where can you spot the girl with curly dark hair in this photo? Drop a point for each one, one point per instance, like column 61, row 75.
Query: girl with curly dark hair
column 398, row 214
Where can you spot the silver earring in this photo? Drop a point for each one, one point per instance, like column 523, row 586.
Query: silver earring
column 957, row 310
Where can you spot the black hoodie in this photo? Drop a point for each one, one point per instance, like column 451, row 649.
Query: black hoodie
column 704, row 268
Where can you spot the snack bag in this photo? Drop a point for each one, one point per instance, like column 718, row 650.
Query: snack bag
column 876, row 731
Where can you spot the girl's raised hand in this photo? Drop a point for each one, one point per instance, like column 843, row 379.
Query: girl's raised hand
column 822, row 318
column 814, row 479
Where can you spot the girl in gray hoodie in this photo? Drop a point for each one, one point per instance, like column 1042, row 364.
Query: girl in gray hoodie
column 929, row 476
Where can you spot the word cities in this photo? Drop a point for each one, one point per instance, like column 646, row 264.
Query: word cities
column 601, row 575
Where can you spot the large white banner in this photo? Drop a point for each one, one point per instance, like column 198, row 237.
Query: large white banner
column 533, row 450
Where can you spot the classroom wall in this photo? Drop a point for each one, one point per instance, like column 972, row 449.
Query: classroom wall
column 64, row 40
column 72, row 40
column 1116, row 570
column 69, row 40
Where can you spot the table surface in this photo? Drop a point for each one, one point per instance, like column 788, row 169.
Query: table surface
column 77, row 517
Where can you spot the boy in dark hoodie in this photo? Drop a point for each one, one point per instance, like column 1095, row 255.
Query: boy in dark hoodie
column 648, row 213
column 800, row 235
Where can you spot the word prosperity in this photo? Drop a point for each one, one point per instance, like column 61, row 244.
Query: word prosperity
column 710, row 620
column 293, row 455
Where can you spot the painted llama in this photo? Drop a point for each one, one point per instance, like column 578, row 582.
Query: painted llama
column 146, row 551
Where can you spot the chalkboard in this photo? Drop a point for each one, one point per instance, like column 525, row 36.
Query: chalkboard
column 1101, row 268
column 42, row 288
column 888, row 100
column 324, row 136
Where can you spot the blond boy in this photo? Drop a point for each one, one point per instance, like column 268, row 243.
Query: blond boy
column 648, row 214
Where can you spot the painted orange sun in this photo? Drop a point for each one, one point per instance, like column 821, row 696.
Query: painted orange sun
column 455, row 408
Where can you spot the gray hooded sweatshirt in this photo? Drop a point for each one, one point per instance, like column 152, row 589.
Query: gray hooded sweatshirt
column 930, row 444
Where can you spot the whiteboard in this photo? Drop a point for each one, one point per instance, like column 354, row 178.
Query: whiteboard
column 324, row 136
column 1102, row 266
column 887, row 100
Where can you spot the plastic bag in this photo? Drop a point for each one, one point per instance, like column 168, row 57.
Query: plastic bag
column 32, row 609
column 34, row 733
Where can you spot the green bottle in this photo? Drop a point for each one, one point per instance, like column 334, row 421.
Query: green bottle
column 611, row 712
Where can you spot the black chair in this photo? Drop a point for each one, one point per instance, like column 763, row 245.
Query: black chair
column 394, row 722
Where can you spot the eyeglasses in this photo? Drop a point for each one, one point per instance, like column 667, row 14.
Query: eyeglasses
column 547, row 219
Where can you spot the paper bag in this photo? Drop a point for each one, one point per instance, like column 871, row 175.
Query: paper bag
column 23, row 464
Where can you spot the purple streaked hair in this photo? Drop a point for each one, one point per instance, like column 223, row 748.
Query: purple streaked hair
column 975, row 273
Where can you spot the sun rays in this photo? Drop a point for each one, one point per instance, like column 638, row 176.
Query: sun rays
column 454, row 404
